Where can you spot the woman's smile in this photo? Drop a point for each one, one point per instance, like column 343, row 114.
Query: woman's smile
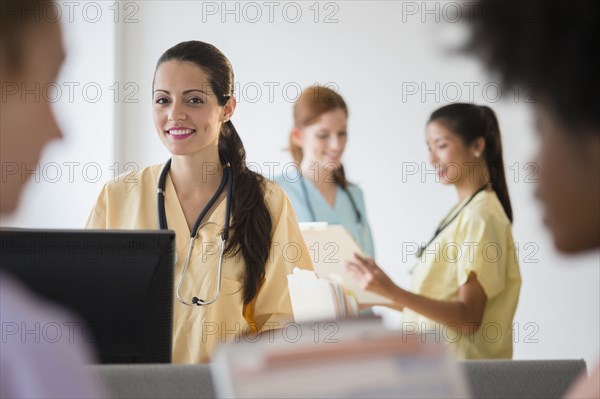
column 180, row 133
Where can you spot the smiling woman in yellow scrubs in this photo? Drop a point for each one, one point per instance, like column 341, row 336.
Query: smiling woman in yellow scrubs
column 207, row 177
column 320, row 191
column 465, row 287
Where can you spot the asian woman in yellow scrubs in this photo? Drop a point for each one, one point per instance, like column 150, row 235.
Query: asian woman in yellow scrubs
column 206, row 186
column 320, row 191
column 465, row 286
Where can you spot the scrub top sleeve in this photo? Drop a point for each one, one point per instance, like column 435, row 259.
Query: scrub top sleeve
column 272, row 307
column 97, row 216
column 484, row 252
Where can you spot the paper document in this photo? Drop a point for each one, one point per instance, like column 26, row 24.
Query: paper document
column 344, row 359
column 316, row 298
column 330, row 247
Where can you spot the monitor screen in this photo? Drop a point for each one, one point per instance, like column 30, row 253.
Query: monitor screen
column 119, row 284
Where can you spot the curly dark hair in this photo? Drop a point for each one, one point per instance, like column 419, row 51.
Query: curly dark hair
column 550, row 46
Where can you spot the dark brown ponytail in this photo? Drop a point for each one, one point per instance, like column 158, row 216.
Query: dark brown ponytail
column 494, row 159
column 470, row 121
column 250, row 230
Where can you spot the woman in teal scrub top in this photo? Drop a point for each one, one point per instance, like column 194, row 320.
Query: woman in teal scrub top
column 318, row 189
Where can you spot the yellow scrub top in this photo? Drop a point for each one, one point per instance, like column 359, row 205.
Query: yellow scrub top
column 479, row 240
column 130, row 203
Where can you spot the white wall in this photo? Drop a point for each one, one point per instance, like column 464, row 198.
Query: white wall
column 376, row 53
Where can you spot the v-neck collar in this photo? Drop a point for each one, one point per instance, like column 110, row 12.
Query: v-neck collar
column 319, row 196
column 179, row 223
column 458, row 207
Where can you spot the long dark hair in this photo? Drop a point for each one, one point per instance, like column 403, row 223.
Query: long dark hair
column 250, row 231
column 312, row 103
column 470, row 122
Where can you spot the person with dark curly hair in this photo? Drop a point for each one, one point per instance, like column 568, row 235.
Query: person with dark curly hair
column 551, row 46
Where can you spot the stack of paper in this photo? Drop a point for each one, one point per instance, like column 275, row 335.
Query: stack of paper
column 358, row 359
column 315, row 298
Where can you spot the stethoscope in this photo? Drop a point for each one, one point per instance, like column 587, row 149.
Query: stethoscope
column 227, row 180
column 359, row 218
column 446, row 223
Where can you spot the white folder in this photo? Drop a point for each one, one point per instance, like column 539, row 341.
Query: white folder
column 312, row 298
column 330, row 247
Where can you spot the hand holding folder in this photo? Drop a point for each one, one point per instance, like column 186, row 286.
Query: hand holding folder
column 331, row 247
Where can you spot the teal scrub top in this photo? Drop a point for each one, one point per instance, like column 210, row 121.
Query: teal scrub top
column 342, row 212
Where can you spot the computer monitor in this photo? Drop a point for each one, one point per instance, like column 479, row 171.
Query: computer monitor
column 118, row 283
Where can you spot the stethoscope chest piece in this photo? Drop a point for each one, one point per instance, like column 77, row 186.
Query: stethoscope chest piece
column 226, row 183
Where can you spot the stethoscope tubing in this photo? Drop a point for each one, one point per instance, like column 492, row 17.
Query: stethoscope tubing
column 227, row 180
column 311, row 210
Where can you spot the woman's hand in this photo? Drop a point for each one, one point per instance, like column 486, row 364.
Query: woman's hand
column 466, row 312
column 371, row 277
